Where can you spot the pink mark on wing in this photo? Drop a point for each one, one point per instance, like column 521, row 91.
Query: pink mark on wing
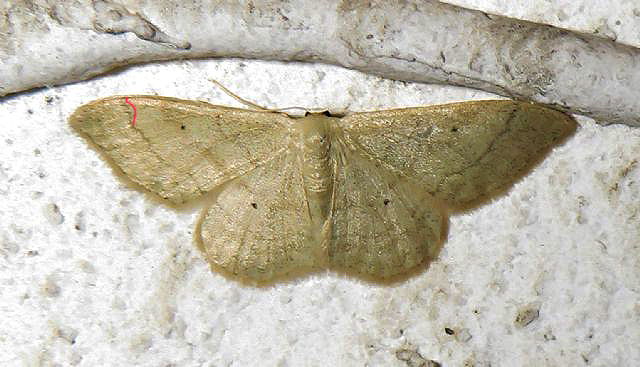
column 133, row 122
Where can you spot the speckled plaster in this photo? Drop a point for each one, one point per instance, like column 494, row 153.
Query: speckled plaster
column 93, row 273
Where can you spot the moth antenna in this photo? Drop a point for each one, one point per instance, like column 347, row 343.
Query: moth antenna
column 261, row 108
column 240, row 99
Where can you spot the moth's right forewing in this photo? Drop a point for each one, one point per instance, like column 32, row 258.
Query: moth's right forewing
column 180, row 149
column 461, row 153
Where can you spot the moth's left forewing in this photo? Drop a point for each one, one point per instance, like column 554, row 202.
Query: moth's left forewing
column 180, row 149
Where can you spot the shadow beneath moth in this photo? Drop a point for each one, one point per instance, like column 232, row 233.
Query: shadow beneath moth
column 368, row 194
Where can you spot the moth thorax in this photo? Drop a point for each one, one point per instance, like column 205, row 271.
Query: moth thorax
column 316, row 160
column 317, row 171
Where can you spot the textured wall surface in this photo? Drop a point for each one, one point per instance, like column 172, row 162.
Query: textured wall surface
column 93, row 273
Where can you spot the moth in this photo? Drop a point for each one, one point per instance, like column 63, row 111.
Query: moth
column 367, row 194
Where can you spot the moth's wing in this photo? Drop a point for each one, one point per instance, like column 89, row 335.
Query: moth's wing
column 259, row 228
column 461, row 153
column 180, row 149
column 382, row 225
